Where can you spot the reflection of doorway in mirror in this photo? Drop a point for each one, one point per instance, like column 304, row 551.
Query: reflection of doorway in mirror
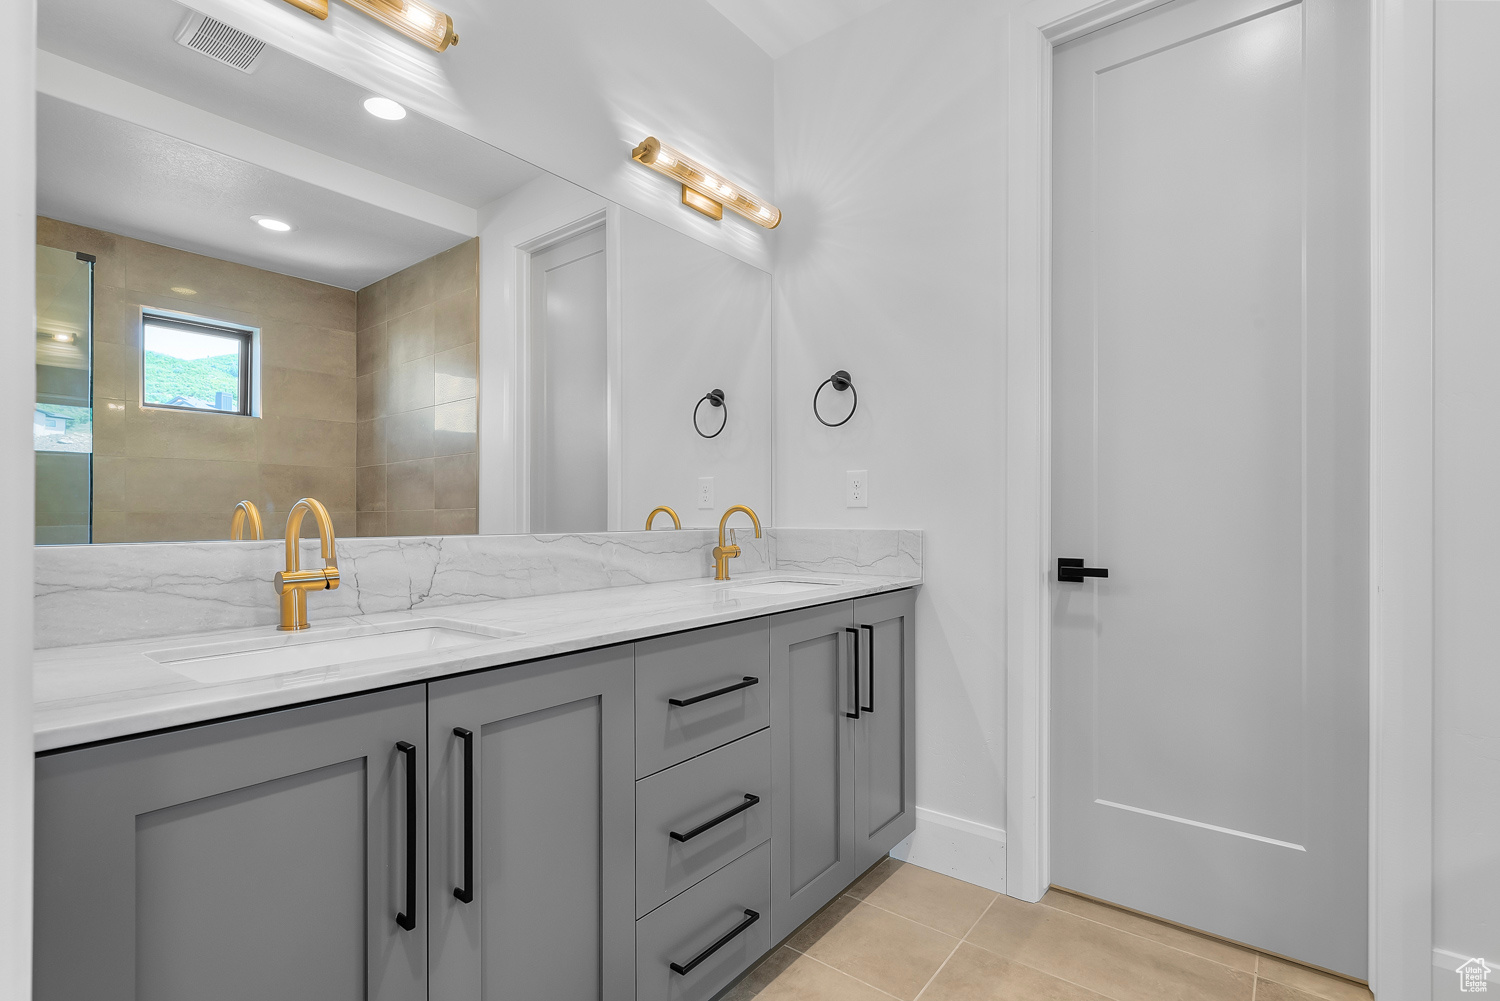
column 63, row 423
column 568, row 384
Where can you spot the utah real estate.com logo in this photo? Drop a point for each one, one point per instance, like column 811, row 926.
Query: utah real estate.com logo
column 1474, row 976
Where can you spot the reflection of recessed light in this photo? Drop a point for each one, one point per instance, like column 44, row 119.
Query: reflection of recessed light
column 64, row 338
column 274, row 225
column 117, row 406
column 384, row 107
column 184, row 290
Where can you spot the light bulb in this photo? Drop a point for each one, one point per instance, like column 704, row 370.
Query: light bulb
column 384, row 107
column 274, row 225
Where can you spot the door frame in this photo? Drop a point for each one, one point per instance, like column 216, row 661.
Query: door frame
column 609, row 220
column 1401, row 467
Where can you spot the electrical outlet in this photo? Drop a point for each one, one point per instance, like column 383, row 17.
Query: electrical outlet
column 857, row 488
column 705, row 493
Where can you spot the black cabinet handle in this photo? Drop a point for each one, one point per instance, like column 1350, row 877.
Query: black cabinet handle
column 750, row 800
column 871, row 668
column 408, row 918
column 750, row 918
column 855, row 713
column 1072, row 571
column 714, row 694
column 466, row 892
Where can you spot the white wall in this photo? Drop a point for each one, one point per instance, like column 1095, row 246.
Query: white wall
column 17, row 393
column 1467, row 657
column 571, row 87
column 890, row 171
column 692, row 319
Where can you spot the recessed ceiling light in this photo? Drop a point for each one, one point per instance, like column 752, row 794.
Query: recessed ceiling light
column 274, row 225
column 384, row 107
column 184, row 290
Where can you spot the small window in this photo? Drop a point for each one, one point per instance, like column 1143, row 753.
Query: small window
column 195, row 365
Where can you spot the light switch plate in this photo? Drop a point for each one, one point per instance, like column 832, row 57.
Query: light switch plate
column 857, row 488
column 705, row 493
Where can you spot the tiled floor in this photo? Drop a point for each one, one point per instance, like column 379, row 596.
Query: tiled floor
column 905, row 932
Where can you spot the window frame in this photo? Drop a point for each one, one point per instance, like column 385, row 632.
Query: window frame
column 203, row 325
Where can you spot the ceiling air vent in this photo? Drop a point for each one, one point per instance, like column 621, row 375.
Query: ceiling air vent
column 218, row 40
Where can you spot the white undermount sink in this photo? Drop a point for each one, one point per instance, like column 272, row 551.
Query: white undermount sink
column 290, row 653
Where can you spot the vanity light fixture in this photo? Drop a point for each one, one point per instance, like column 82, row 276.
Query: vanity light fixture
column 703, row 189
column 413, row 18
column 274, row 225
column 384, row 107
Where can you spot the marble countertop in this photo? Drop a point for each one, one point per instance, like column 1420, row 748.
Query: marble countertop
column 110, row 690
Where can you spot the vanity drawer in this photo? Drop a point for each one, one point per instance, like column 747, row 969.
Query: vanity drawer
column 732, row 783
column 683, row 929
column 707, row 669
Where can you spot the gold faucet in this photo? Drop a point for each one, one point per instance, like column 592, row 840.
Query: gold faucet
column 676, row 521
column 246, row 515
column 293, row 583
column 722, row 553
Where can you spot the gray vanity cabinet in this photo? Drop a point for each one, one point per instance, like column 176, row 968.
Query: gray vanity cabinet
column 885, row 747
column 533, row 883
column 812, row 762
column 265, row 857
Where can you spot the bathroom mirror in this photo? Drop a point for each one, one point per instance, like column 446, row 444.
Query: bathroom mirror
column 252, row 287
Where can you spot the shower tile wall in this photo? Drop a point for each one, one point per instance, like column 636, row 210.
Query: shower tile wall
column 418, row 464
column 162, row 475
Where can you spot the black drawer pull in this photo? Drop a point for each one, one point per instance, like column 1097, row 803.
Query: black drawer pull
column 855, row 714
column 465, row 893
column 407, row 919
column 750, row 918
column 713, row 695
column 750, row 800
column 870, row 692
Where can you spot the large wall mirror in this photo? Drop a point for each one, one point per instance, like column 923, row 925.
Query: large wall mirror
column 252, row 287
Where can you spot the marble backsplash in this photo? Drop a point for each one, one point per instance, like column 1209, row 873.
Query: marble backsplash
column 93, row 594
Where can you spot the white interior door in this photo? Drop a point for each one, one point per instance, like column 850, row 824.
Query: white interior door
column 1210, row 414
column 569, row 387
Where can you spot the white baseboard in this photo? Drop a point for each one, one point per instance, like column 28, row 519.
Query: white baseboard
column 974, row 853
column 1446, row 959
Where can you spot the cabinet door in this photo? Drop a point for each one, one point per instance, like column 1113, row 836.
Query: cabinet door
column 885, row 740
column 545, row 851
column 812, row 762
column 258, row 858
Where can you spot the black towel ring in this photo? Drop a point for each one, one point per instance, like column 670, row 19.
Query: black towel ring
column 840, row 382
column 716, row 399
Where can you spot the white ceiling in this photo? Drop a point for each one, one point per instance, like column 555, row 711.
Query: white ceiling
column 100, row 171
column 779, row 26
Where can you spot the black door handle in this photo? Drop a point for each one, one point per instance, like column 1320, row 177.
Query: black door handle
column 1070, row 571
column 855, row 713
column 871, row 667
column 750, row 800
column 465, row 893
column 408, row 918
column 750, row 918
column 745, row 683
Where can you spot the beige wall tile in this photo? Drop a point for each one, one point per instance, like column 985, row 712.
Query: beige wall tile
column 201, row 486
column 455, row 270
column 109, row 426
column 410, row 386
column 409, row 336
column 369, row 449
column 117, row 315
column 370, row 349
column 409, row 522
column 409, row 289
column 364, row 397
column 370, row 303
column 61, row 489
column 462, row 522
column 456, row 320
column 174, row 527
column 369, row 489
column 408, row 486
column 409, row 436
column 107, row 248
column 455, row 484
column 117, row 374
column 285, row 344
column 177, row 434
column 282, row 486
column 295, row 441
column 288, row 392
column 455, row 428
column 455, row 374
column 369, row 524
column 109, row 482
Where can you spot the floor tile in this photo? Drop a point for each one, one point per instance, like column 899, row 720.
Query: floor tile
column 1319, row 985
column 1269, row 990
column 882, row 949
column 930, row 898
column 789, row 976
column 973, row 974
column 1233, row 956
column 1104, row 959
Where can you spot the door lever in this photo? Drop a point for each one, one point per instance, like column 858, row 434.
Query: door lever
column 1071, row 571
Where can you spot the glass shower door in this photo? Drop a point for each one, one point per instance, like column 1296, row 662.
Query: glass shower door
column 63, row 425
